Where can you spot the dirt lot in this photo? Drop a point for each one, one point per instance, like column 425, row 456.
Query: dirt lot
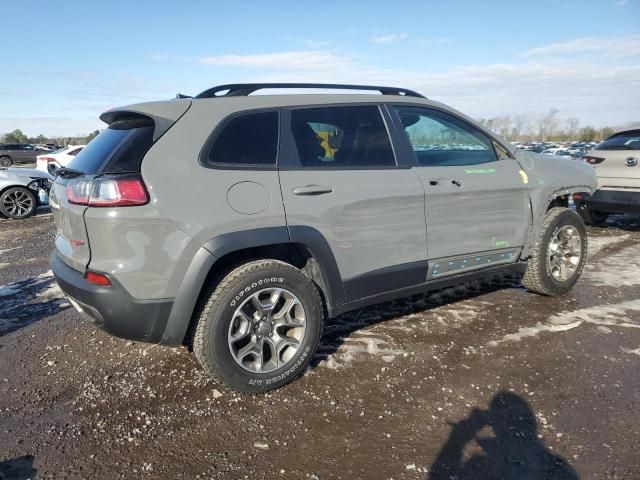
column 486, row 381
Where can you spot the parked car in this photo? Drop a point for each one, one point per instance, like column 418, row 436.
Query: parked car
column 22, row 190
column 238, row 224
column 49, row 162
column 14, row 153
column 560, row 152
column 615, row 161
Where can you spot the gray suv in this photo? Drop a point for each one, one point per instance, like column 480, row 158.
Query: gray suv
column 238, row 224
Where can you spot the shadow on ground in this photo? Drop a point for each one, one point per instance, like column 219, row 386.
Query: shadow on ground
column 29, row 300
column 499, row 443
column 20, row 468
column 337, row 330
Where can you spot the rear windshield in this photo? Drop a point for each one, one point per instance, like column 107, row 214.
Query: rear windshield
column 119, row 148
column 623, row 142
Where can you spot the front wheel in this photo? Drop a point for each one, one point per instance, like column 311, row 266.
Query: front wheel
column 260, row 326
column 559, row 254
column 17, row 202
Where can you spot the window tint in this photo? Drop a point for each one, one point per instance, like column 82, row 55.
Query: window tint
column 251, row 139
column 622, row 142
column 439, row 139
column 119, row 148
column 342, row 137
column 74, row 152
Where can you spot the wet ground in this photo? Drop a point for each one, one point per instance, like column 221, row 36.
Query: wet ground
column 485, row 381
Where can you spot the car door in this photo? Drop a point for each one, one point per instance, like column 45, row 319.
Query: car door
column 340, row 181
column 476, row 204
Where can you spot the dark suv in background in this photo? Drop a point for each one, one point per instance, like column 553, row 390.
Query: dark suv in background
column 11, row 153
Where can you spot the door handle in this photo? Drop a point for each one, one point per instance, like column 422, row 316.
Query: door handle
column 456, row 183
column 433, row 183
column 311, row 190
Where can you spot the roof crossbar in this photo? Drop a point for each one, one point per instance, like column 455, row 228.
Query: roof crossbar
column 244, row 89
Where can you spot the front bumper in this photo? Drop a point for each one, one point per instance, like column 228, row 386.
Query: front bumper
column 614, row 201
column 112, row 308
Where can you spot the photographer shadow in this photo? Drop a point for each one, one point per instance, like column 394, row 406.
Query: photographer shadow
column 499, row 443
column 20, row 468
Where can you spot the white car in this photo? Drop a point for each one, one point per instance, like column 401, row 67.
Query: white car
column 561, row 152
column 49, row 162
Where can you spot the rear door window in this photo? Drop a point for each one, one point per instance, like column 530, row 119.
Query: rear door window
column 119, row 148
column 349, row 137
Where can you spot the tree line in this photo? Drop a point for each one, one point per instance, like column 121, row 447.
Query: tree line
column 549, row 127
column 17, row 136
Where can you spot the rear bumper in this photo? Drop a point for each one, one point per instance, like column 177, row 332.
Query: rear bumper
column 614, row 201
column 112, row 308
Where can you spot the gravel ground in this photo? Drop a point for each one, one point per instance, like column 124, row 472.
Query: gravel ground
column 481, row 381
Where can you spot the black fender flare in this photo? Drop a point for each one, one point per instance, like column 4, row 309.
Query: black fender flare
column 206, row 257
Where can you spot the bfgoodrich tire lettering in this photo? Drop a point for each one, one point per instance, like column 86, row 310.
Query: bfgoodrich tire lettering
column 540, row 276
column 215, row 325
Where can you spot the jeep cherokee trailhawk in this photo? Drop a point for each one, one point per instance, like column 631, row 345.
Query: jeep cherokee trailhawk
column 237, row 223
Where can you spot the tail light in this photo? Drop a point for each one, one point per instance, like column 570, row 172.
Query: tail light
column 593, row 160
column 108, row 191
column 48, row 159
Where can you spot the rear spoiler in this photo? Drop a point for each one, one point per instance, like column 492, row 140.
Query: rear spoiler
column 164, row 114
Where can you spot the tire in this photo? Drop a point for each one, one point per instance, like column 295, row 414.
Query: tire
column 230, row 312
column 544, row 269
column 18, row 202
column 5, row 161
column 591, row 216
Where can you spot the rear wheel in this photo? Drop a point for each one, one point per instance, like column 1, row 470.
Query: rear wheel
column 260, row 326
column 559, row 254
column 5, row 161
column 17, row 202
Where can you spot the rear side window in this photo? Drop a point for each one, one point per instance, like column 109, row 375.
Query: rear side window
column 341, row 137
column 119, row 148
column 622, row 142
column 250, row 140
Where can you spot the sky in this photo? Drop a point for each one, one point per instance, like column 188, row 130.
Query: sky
column 67, row 61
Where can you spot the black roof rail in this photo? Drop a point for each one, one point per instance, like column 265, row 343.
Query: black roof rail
column 244, row 89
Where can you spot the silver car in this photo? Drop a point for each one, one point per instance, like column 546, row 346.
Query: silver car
column 22, row 190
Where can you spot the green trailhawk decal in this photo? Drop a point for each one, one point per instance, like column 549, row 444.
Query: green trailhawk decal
column 501, row 243
column 480, row 170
